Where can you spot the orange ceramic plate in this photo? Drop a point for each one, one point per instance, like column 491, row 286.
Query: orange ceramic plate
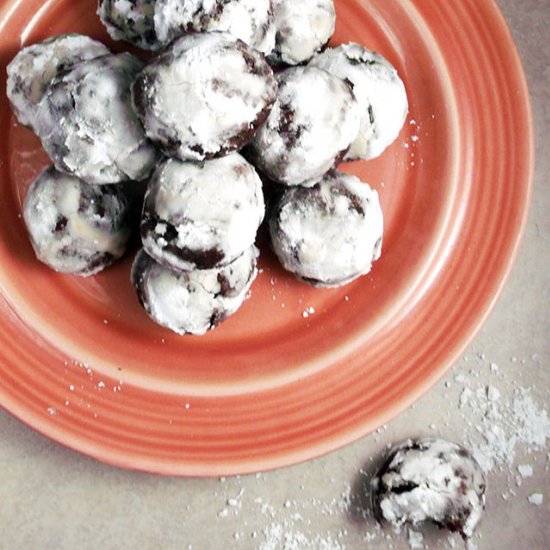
column 297, row 372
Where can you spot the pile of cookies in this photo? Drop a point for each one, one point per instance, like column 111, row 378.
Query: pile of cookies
column 235, row 92
column 74, row 94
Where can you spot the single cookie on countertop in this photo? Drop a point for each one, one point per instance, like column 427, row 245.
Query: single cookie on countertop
column 88, row 127
column 309, row 130
column 379, row 90
column 302, row 29
column 193, row 302
column 131, row 21
column 430, row 480
column 204, row 96
column 75, row 227
column 34, row 67
column 249, row 20
column 329, row 234
column 202, row 216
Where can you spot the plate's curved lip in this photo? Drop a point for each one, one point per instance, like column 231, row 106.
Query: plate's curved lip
column 129, row 461
column 436, row 374
column 427, row 383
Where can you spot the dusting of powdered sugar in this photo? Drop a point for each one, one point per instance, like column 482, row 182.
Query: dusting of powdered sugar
column 217, row 205
column 200, row 95
column 380, row 93
column 303, row 29
column 305, row 134
column 249, row 20
column 503, row 418
column 32, row 70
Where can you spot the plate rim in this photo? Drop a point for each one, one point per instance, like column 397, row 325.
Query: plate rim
column 50, row 430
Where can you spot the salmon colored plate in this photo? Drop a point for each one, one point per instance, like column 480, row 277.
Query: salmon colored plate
column 297, row 372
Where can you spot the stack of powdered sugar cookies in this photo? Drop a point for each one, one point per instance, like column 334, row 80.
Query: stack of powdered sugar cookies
column 235, row 93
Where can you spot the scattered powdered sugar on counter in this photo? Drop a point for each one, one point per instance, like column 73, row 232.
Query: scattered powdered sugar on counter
column 493, row 409
column 525, row 470
column 415, row 539
column 289, row 524
column 536, row 498
column 278, row 536
column 488, row 408
column 501, row 427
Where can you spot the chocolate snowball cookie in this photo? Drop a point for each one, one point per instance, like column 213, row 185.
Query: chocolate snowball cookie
column 379, row 90
column 75, row 227
column 193, row 302
column 131, row 21
column 329, row 234
column 302, row 29
column 201, row 216
column 309, row 130
column 249, row 20
column 34, row 67
column 88, row 127
column 430, row 480
column 204, row 96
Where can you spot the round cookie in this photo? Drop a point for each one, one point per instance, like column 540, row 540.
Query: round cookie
column 88, row 127
column 204, row 96
column 131, row 21
column 33, row 68
column 75, row 227
column 379, row 90
column 201, row 216
column 302, row 29
column 430, row 480
column 249, row 20
column 329, row 234
column 193, row 302
column 309, row 129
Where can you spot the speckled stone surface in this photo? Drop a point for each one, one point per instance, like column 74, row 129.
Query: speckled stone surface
column 54, row 498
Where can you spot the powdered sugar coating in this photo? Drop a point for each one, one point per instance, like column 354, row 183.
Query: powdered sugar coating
column 302, row 29
column 33, row 68
column 88, row 127
column 430, row 479
column 201, row 216
column 309, row 129
column 329, row 234
column 204, row 96
column 249, row 20
column 131, row 21
column 75, row 227
column 379, row 90
column 193, row 302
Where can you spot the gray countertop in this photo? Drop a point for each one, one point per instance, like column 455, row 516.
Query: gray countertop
column 492, row 401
